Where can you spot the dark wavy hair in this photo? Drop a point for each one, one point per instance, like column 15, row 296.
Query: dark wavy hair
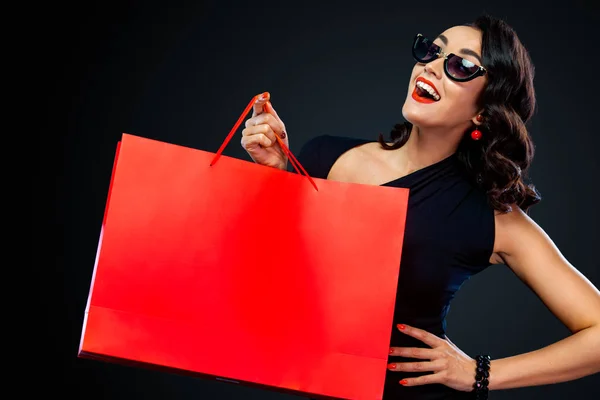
column 499, row 161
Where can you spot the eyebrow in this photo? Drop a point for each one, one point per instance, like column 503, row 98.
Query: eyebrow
column 464, row 51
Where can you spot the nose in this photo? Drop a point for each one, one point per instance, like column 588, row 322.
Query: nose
column 436, row 66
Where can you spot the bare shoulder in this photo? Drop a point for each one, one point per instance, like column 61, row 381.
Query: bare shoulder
column 360, row 164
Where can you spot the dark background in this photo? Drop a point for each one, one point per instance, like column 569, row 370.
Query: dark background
column 183, row 72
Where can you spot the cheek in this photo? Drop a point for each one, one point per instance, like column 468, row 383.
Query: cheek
column 462, row 97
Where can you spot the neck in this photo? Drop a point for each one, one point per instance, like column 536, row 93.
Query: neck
column 424, row 148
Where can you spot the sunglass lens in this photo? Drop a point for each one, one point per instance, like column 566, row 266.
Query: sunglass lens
column 460, row 68
column 424, row 50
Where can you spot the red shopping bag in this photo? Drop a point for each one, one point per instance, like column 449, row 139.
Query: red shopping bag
column 226, row 269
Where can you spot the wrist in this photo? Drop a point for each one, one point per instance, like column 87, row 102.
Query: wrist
column 482, row 376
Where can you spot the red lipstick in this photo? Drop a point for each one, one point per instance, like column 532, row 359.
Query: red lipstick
column 421, row 99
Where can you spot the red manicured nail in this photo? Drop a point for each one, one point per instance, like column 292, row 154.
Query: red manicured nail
column 403, row 382
column 391, row 366
column 391, row 350
column 401, row 327
column 264, row 95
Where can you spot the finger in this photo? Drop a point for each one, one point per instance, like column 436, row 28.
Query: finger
column 437, row 365
column 424, row 336
column 266, row 118
column 415, row 352
column 262, row 129
column 422, row 380
column 259, row 103
column 256, row 141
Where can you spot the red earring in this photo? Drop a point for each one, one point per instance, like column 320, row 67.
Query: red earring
column 476, row 134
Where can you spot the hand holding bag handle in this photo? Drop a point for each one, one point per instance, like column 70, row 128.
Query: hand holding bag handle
column 295, row 163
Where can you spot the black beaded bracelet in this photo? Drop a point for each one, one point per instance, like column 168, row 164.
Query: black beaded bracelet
column 482, row 373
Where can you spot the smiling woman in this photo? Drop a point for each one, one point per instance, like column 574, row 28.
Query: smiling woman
column 493, row 110
column 463, row 152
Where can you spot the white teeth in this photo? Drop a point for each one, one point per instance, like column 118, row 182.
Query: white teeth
column 429, row 89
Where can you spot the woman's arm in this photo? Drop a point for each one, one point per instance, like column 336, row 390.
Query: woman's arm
column 570, row 296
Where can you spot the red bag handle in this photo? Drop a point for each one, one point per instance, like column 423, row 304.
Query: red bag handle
column 287, row 151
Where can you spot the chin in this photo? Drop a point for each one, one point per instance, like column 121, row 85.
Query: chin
column 417, row 115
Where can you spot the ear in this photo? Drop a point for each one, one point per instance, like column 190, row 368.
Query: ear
column 478, row 119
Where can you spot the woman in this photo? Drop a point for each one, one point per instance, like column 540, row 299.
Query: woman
column 463, row 152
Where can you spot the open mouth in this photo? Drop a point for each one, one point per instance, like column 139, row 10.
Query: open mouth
column 425, row 91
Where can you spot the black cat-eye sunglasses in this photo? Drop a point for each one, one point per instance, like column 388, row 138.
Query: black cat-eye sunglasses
column 456, row 68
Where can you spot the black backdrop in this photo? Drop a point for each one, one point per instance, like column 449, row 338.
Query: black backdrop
column 182, row 73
